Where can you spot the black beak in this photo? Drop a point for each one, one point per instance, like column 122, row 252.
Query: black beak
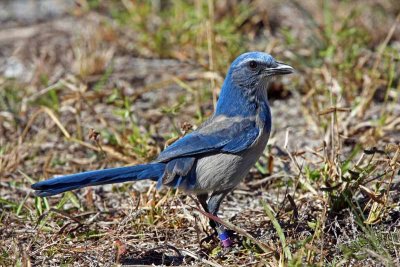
column 280, row 69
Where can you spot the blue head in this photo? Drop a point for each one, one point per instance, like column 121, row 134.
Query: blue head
column 245, row 85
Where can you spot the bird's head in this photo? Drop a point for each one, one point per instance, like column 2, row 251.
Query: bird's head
column 252, row 70
column 245, row 85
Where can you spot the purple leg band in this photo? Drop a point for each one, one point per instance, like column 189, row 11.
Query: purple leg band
column 226, row 243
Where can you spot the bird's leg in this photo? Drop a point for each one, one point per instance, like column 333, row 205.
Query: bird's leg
column 203, row 201
column 213, row 207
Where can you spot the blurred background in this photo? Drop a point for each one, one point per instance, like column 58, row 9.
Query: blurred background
column 91, row 84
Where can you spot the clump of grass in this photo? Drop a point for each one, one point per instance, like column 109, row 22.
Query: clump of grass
column 380, row 246
column 184, row 29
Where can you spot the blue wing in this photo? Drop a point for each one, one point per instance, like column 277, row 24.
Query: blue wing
column 219, row 134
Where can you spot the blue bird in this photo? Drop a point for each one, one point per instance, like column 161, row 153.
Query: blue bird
column 210, row 161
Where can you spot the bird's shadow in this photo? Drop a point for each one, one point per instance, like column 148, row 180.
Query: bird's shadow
column 156, row 256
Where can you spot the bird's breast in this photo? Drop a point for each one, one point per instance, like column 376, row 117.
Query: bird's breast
column 224, row 171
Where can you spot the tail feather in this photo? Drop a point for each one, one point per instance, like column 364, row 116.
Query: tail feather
column 57, row 185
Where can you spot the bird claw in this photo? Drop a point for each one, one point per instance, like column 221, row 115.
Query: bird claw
column 223, row 237
column 208, row 238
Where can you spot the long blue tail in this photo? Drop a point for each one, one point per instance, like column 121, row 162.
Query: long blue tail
column 57, row 185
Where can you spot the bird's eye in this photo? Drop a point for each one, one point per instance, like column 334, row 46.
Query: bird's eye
column 253, row 65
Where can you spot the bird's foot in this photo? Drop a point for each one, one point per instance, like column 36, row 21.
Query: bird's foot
column 208, row 238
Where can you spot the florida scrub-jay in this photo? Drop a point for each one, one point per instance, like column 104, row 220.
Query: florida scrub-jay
column 210, row 161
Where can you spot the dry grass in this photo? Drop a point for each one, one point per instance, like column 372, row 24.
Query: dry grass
column 109, row 83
